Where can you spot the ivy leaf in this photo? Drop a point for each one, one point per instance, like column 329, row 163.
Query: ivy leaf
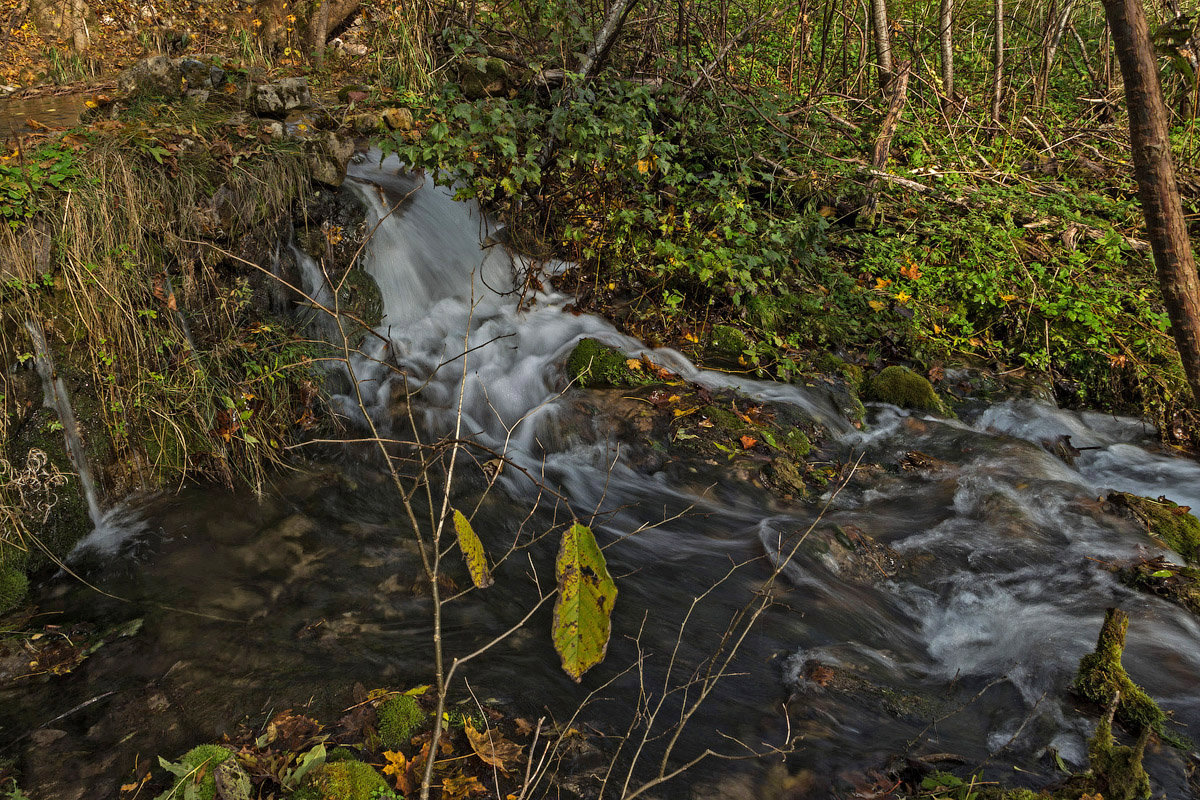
column 472, row 550
column 586, row 594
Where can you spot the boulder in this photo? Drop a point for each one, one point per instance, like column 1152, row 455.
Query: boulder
column 398, row 119
column 329, row 156
column 278, row 99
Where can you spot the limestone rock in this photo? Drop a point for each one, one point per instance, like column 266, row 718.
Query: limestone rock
column 330, row 155
column 398, row 119
column 278, row 99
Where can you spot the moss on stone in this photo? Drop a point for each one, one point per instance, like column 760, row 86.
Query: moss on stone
column 902, row 387
column 594, row 365
column 728, row 341
column 1101, row 676
column 13, row 587
column 347, row 780
column 1166, row 521
column 797, row 443
column 1180, row 585
column 399, row 718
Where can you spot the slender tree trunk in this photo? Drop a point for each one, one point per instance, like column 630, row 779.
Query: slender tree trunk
column 1056, row 26
column 598, row 50
column 998, row 63
column 883, row 42
column 1165, row 224
column 946, row 36
column 883, row 142
column 320, row 32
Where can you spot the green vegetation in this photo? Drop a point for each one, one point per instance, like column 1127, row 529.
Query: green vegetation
column 902, row 387
column 347, row 780
column 13, row 586
column 195, row 773
column 1164, row 520
column 1102, row 679
column 593, row 365
column 399, row 718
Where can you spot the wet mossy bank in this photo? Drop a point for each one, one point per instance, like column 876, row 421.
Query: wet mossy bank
column 154, row 252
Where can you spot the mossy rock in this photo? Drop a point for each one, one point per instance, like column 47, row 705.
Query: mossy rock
column 786, row 476
column 728, row 341
column 483, row 77
column 1101, row 676
column 399, row 718
column 13, row 587
column 1166, row 521
column 902, row 387
column 1117, row 771
column 1180, row 585
column 593, row 365
column 797, row 443
column 347, row 780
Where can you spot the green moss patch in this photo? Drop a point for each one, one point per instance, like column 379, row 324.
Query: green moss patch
column 13, row 587
column 1180, row 585
column 1101, row 677
column 593, row 365
column 347, row 780
column 902, row 387
column 399, row 718
column 1168, row 522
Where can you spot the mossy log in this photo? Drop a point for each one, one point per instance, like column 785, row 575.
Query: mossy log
column 1103, row 680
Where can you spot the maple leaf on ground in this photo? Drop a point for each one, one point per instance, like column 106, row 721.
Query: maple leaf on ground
column 460, row 786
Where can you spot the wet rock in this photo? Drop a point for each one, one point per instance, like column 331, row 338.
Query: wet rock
column 817, row 676
column 329, row 156
column 278, row 99
column 171, row 78
column 727, row 341
column 1180, row 585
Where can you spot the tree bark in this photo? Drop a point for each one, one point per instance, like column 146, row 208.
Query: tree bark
column 1056, row 25
column 946, row 36
column 883, row 42
column 319, row 32
column 1159, row 194
column 610, row 29
column 998, row 63
column 883, row 142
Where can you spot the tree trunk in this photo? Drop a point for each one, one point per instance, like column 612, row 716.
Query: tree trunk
column 1056, row 25
column 883, row 142
column 883, row 42
column 319, row 32
column 1165, row 224
column 998, row 63
column 598, row 50
column 946, row 36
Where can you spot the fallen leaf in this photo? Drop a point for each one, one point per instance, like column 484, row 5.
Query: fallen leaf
column 493, row 748
column 460, row 786
column 748, row 442
column 633, row 363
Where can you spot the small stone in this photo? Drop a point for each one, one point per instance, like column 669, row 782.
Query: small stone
column 398, row 119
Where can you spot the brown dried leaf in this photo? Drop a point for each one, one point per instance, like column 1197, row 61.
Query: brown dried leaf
column 493, row 748
column 459, row 786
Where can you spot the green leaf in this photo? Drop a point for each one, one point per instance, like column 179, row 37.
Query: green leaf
column 586, row 594
column 1161, row 573
column 472, row 550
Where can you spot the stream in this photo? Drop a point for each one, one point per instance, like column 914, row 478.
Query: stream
column 962, row 647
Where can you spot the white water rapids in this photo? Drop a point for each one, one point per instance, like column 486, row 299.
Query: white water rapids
column 970, row 647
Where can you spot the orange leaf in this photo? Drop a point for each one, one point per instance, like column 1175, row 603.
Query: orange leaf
column 748, row 442
column 912, row 272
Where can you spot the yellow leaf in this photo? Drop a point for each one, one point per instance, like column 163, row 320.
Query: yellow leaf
column 683, row 412
column 876, row 305
column 691, row 337
column 633, row 363
column 460, row 786
column 493, row 748
column 673, row 398
column 472, row 550
column 882, row 283
column 397, row 763
column 1007, row 297
column 902, row 297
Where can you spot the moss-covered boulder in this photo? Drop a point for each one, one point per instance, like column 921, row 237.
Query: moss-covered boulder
column 483, row 77
column 13, row 587
column 593, row 365
column 347, row 780
column 902, row 387
column 728, row 342
column 1180, row 585
column 1101, row 677
column 1166, row 521
column 399, row 718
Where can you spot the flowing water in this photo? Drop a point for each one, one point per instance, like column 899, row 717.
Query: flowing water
column 962, row 639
